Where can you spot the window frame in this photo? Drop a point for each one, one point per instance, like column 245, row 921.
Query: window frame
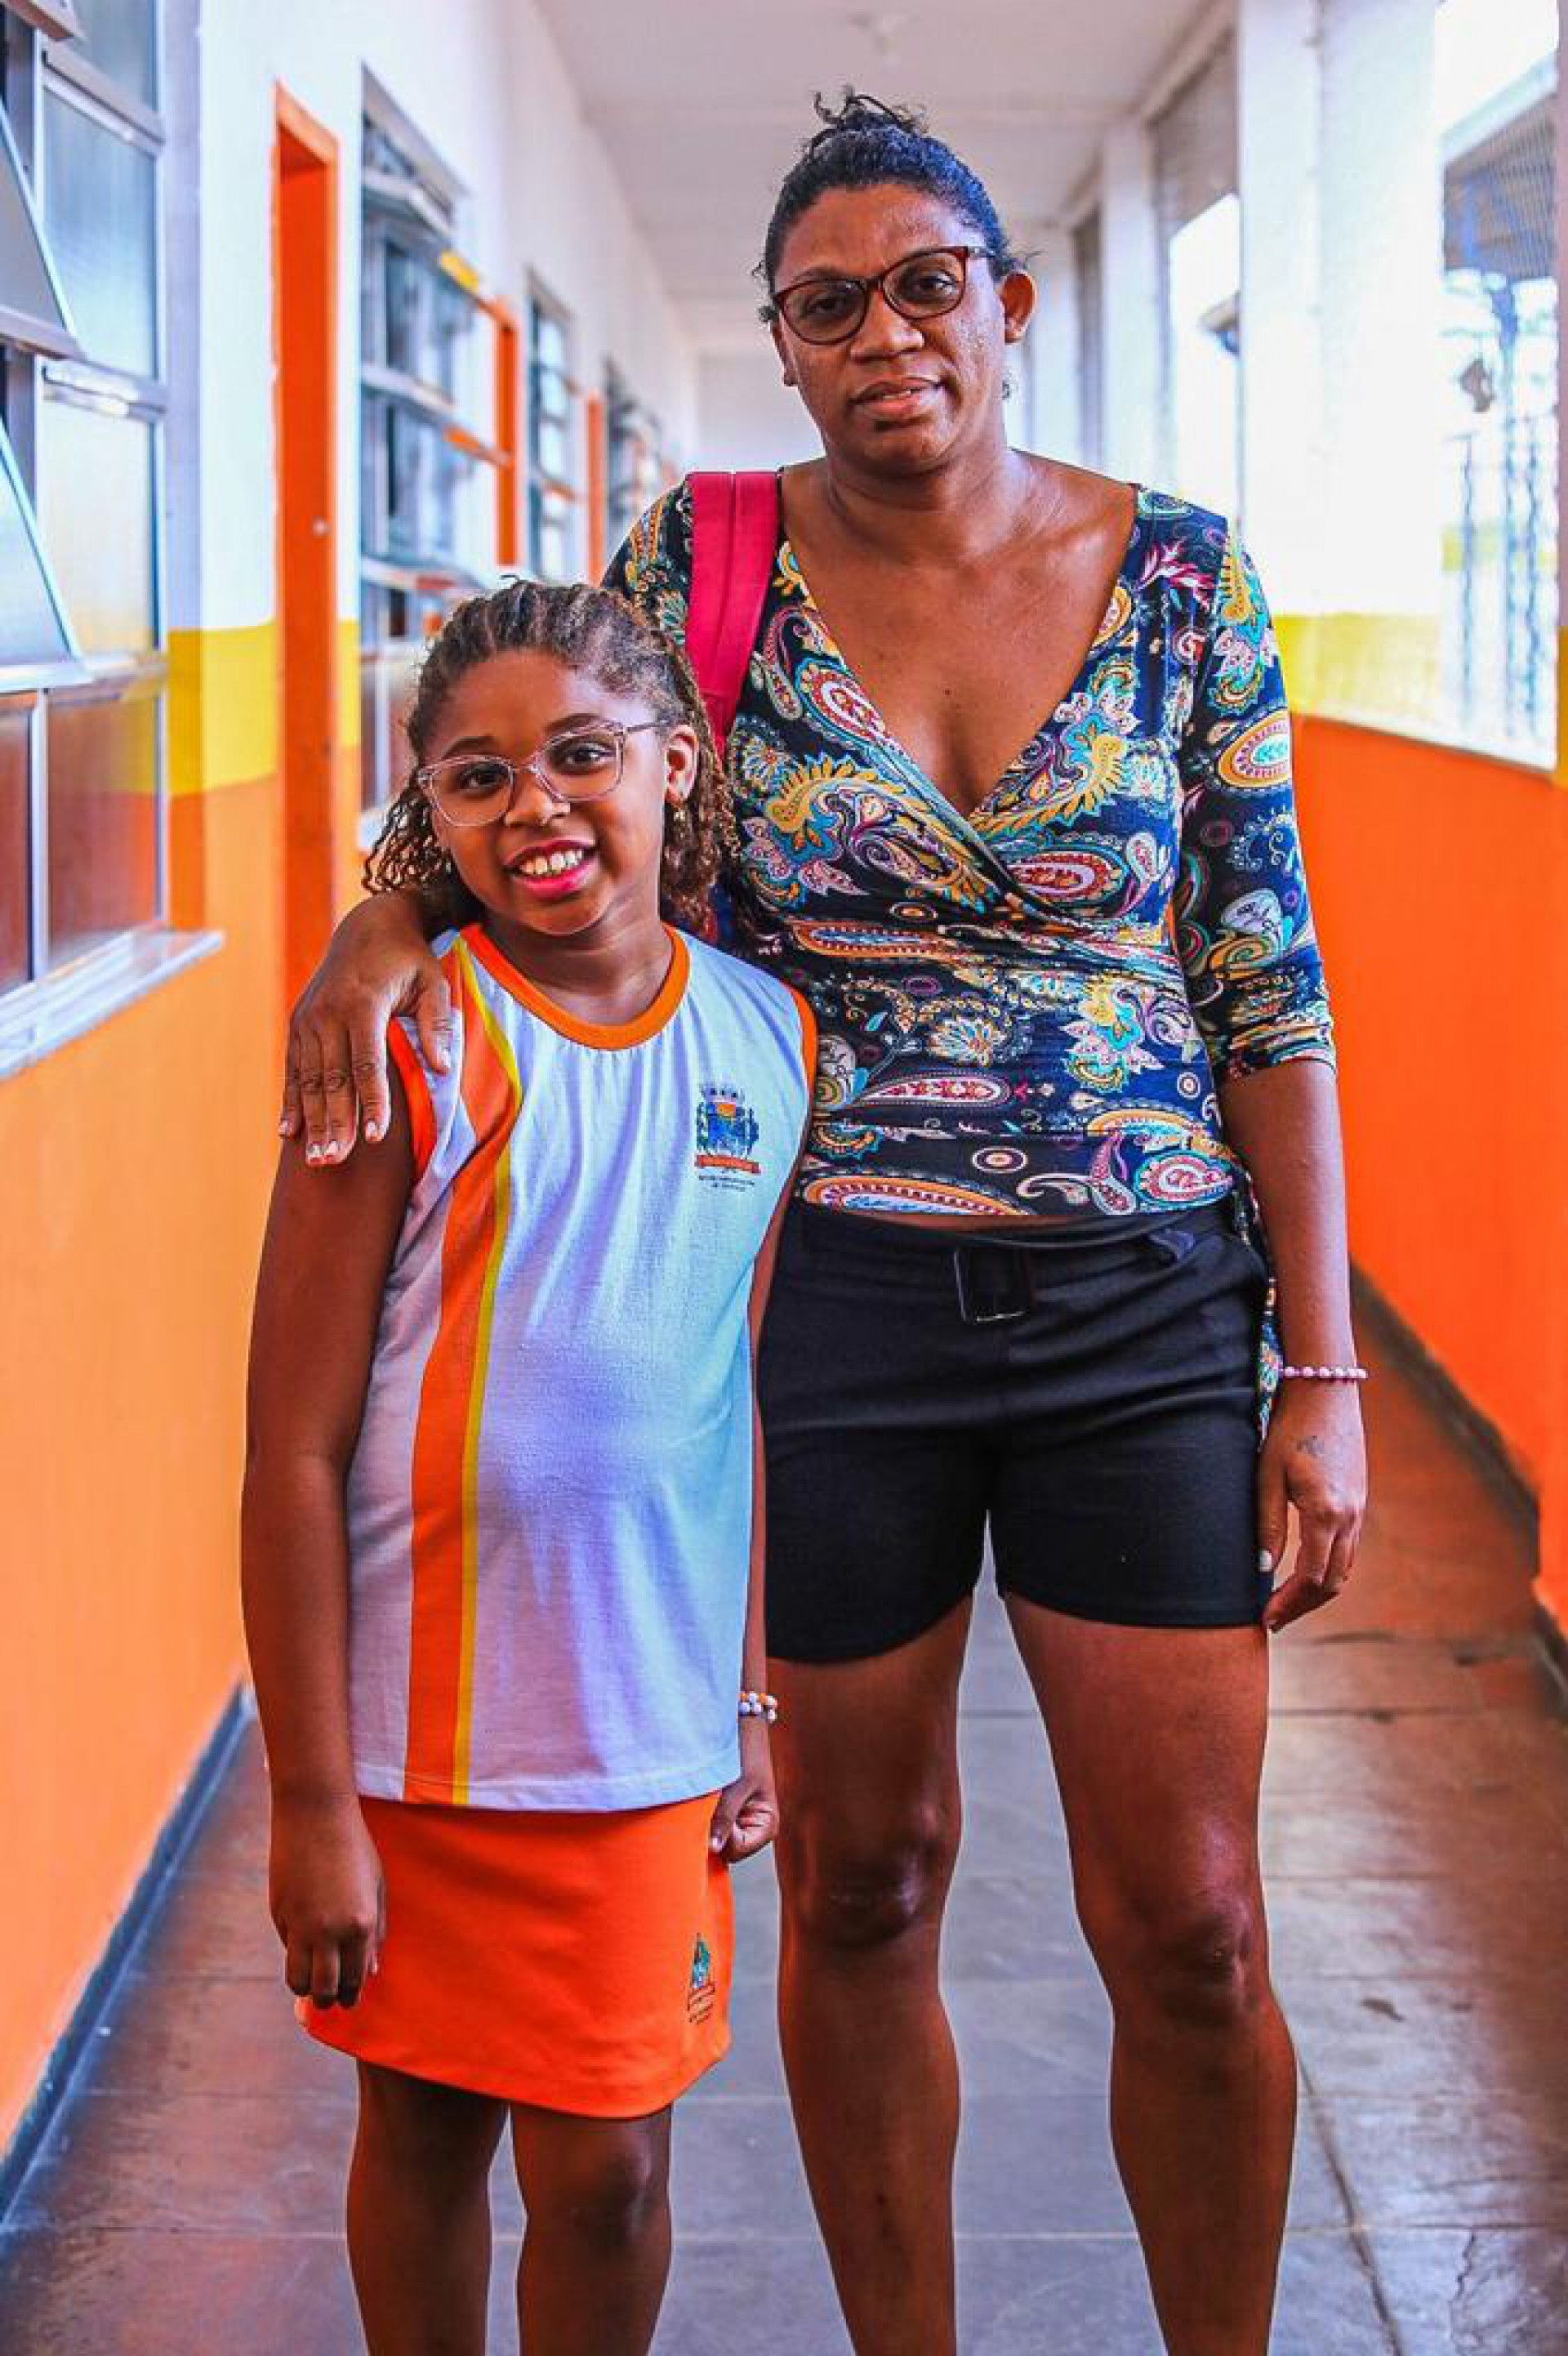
column 548, row 489
column 61, row 997
column 409, row 203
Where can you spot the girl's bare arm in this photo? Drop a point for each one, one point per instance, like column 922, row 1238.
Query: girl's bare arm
column 330, row 1239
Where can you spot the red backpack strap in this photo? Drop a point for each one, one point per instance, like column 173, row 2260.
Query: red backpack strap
column 734, row 540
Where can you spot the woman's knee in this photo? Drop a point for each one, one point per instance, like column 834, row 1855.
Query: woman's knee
column 1199, row 1961
column 858, row 1892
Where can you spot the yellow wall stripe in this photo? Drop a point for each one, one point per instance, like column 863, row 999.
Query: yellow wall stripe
column 224, row 704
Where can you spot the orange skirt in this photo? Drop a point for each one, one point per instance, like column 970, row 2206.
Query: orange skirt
column 575, row 1961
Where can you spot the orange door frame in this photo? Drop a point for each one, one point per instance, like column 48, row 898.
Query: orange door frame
column 305, row 283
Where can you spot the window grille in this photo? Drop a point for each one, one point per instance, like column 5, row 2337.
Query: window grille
column 1499, row 341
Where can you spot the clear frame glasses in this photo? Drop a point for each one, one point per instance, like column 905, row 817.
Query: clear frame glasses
column 924, row 285
column 580, row 764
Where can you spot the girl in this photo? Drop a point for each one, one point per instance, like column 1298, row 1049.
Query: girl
column 501, row 1527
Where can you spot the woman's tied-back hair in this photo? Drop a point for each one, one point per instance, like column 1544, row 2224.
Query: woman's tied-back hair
column 863, row 144
column 596, row 632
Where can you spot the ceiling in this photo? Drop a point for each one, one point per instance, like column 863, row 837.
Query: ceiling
column 702, row 104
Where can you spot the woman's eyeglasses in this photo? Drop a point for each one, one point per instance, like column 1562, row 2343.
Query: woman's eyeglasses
column 925, row 286
column 580, row 764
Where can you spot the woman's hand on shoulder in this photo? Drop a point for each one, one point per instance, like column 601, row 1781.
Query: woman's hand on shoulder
column 327, row 1897
column 377, row 964
column 746, row 1814
column 1315, row 1459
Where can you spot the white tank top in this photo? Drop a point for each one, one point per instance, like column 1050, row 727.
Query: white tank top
column 549, row 1505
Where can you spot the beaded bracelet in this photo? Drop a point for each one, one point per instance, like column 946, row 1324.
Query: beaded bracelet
column 1325, row 1374
column 760, row 1705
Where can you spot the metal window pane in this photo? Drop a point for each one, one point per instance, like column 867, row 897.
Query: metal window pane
column 103, row 816
column 95, row 510
column 32, row 308
column 552, row 449
column 100, row 201
column 33, row 627
column 549, row 533
column 15, row 724
column 119, row 35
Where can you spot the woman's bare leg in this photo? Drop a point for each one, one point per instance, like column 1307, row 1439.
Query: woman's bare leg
column 867, row 1760
column 1158, row 1735
column 419, row 2214
column 596, row 2254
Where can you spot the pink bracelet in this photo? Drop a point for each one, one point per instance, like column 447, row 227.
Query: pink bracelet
column 1325, row 1374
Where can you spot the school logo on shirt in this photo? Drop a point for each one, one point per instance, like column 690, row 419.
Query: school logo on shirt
column 726, row 1133
column 701, row 1994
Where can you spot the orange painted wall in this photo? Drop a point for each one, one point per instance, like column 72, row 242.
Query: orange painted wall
column 133, row 1170
column 1441, row 884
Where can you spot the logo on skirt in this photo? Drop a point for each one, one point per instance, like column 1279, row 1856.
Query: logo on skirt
column 701, row 1995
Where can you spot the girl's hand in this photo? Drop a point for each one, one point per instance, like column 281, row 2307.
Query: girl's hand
column 377, row 964
column 327, row 1898
column 746, row 1814
column 1314, row 1458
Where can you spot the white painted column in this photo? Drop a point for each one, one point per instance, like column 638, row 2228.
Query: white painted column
column 1283, row 458
column 1381, row 227
column 1048, row 408
column 1132, row 298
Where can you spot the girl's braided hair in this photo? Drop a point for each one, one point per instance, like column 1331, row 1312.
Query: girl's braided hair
column 596, row 632
column 864, row 144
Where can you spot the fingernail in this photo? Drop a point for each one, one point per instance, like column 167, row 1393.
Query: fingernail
column 283, row 1127
column 313, row 1153
column 1265, row 1563
column 373, row 1131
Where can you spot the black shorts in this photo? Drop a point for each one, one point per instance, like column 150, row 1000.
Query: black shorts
column 1092, row 1401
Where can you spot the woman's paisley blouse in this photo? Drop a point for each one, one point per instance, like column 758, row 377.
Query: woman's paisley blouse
column 1025, row 1011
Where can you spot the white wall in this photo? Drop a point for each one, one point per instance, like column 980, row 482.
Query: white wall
column 490, row 94
column 746, row 415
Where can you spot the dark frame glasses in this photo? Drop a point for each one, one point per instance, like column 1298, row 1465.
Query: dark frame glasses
column 807, row 305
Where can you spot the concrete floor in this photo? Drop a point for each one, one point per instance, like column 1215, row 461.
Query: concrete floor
column 187, row 2203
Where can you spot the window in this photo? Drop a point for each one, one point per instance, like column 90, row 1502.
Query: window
column 1498, row 628
column 634, row 469
column 552, row 445
column 82, row 673
column 432, row 440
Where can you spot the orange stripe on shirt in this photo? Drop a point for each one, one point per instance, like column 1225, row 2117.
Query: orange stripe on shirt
column 452, row 1397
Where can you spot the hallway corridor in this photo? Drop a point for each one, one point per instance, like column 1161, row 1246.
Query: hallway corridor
column 186, row 2201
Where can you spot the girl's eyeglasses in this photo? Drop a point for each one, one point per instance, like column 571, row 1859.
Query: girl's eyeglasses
column 924, row 285
column 580, row 764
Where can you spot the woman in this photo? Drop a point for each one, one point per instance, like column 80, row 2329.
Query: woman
column 1072, row 1027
